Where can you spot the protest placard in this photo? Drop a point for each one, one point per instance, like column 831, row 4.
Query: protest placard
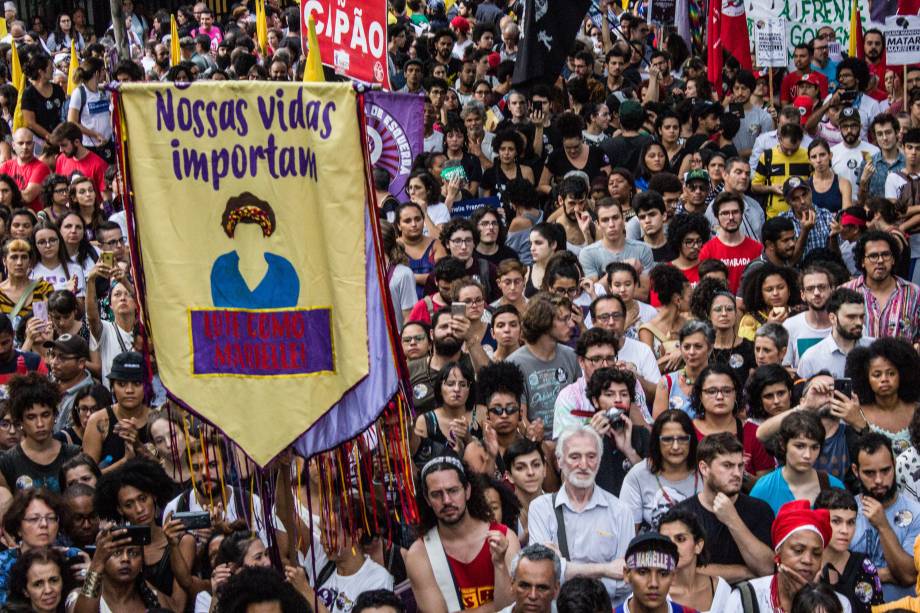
column 770, row 46
column 352, row 37
column 902, row 39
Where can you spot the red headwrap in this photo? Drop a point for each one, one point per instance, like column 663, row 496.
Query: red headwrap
column 796, row 516
column 848, row 219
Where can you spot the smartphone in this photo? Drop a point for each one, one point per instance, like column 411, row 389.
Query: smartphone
column 192, row 520
column 40, row 310
column 537, row 105
column 108, row 259
column 736, row 109
column 458, row 309
column 140, row 535
column 844, row 386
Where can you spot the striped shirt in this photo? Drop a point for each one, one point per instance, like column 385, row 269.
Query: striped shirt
column 898, row 318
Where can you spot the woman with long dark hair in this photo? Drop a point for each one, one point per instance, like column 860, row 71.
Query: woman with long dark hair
column 454, row 420
column 690, row 586
column 771, row 294
column 63, row 35
column 42, row 100
column 89, row 109
column 10, row 196
column 39, row 582
column 55, row 198
column 668, row 475
column 652, row 159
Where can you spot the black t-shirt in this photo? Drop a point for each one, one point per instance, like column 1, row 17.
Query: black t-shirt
column 47, row 110
column 471, row 166
column 858, row 582
column 559, row 165
column 614, row 465
column 421, row 378
column 625, row 150
column 755, row 514
column 504, row 253
column 21, row 473
column 740, row 359
column 664, row 254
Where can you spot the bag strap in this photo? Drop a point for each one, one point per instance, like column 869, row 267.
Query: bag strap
column 324, row 573
column 443, row 575
column 748, row 597
column 26, row 294
column 429, row 304
column 560, row 529
column 768, row 165
column 824, row 482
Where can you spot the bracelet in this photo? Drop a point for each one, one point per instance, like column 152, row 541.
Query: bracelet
column 92, row 585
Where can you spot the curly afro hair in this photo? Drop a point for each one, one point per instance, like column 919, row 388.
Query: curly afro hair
column 703, row 295
column 684, row 224
column 139, row 473
column 500, row 377
column 753, row 289
column 896, row 351
column 668, row 281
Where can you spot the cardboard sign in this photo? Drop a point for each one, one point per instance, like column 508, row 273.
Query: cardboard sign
column 902, row 39
column 770, row 42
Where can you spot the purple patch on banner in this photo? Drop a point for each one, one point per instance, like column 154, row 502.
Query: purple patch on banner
column 261, row 343
column 395, row 134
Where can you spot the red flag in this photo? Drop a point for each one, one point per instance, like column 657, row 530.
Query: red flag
column 908, row 7
column 726, row 32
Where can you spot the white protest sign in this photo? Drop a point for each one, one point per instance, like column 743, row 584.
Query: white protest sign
column 770, row 42
column 902, row 39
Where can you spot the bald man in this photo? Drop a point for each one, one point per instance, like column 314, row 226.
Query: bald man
column 27, row 170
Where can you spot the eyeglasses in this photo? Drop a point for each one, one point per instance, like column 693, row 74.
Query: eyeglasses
column 723, row 309
column 680, row 441
column 608, row 316
column 53, row 355
column 474, row 302
column 509, row 410
column 461, row 241
column 692, row 242
column 697, row 187
column 511, row 282
column 414, row 338
column 717, row 391
column 810, row 289
column 40, row 519
column 488, row 224
column 6, row 424
column 47, row 242
column 571, row 292
column 879, row 257
column 115, row 242
column 597, row 360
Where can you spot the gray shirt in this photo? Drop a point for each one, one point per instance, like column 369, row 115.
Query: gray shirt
column 754, row 123
column 544, row 380
column 826, row 355
column 595, row 257
column 650, row 496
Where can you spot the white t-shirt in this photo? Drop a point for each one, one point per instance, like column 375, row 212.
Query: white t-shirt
column 231, row 514
column 108, row 346
column 801, row 338
column 893, row 184
column 58, row 278
column 95, row 113
column 339, row 593
column 846, row 161
column 434, row 143
column 640, row 354
column 402, row 291
column 761, row 587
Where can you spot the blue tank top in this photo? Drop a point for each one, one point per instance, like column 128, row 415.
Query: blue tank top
column 832, row 199
column 421, row 266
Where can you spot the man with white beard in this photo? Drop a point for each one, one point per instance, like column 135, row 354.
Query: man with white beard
column 590, row 525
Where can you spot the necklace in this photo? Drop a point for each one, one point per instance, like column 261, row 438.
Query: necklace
column 774, row 596
column 687, row 379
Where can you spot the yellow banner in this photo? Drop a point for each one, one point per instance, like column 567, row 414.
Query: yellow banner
column 249, row 206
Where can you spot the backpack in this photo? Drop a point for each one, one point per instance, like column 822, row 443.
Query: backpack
column 910, row 193
column 748, row 597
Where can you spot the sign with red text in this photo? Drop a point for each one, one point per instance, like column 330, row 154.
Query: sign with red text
column 352, row 37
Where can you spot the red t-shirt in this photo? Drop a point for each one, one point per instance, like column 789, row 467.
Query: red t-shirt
column 787, row 89
column 25, row 174
column 91, row 166
column 692, row 275
column 736, row 258
column 476, row 579
column 420, row 311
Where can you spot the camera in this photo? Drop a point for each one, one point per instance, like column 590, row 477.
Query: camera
column 615, row 416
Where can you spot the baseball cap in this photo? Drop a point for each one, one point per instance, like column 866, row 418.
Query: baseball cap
column 849, row 114
column 811, row 78
column 630, row 109
column 651, row 550
column 792, row 184
column 128, row 366
column 696, row 175
column 69, row 344
column 805, row 105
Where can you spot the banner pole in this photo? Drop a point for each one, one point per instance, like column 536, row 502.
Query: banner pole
column 770, row 80
column 904, row 87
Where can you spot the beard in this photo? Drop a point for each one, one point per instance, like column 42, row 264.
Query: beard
column 844, row 333
column 887, row 496
column 569, row 476
column 454, row 521
column 447, row 346
column 851, row 139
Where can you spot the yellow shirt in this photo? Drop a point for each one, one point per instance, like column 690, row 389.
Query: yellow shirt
column 781, row 167
column 910, row 603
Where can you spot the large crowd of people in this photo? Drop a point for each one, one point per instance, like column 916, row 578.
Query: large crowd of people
column 669, row 364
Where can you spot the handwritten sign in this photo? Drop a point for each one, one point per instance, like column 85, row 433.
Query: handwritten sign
column 902, row 39
column 770, row 42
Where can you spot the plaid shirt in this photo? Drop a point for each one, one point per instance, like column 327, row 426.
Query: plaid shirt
column 820, row 235
column 898, row 318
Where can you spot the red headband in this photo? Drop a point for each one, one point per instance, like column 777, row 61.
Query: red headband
column 848, row 219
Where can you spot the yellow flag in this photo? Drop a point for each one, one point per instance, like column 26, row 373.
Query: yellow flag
column 174, row 55
column 19, row 82
column 313, row 71
column 72, row 69
column 261, row 27
column 3, row 31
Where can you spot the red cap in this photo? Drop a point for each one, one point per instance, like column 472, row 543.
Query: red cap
column 494, row 60
column 460, row 23
column 805, row 105
column 797, row 516
column 811, row 78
